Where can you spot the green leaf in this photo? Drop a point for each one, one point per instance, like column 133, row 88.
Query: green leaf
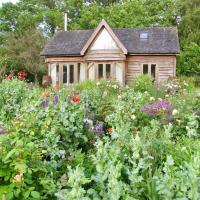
column 21, row 167
column 35, row 194
column 10, row 154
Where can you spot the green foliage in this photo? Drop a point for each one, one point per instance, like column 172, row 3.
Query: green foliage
column 13, row 94
column 48, row 151
column 29, row 16
column 189, row 61
column 143, row 83
column 23, row 51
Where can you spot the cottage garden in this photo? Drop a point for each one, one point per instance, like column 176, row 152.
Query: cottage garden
column 98, row 140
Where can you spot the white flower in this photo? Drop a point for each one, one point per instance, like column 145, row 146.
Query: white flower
column 166, row 95
column 187, row 127
column 174, row 112
column 145, row 92
column 105, row 93
column 115, row 86
column 98, row 83
column 119, row 97
column 133, row 117
column 159, row 99
column 152, row 98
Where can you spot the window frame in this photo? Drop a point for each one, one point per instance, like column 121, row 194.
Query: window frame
column 104, row 70
column 149, row 69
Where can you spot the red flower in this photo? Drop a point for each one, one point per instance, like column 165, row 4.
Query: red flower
column 22, row 74
column 110, row 130
column 21, row 78
column 76, row 99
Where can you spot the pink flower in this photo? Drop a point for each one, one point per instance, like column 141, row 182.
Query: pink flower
column 18, row 178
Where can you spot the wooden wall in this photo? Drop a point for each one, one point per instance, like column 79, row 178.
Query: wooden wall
column 165, row 66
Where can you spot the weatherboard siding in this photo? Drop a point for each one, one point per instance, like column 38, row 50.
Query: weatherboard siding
column 165, row 66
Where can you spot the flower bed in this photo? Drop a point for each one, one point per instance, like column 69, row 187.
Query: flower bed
column 98, row 141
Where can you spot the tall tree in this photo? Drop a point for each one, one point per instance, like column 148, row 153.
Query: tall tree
column 189, row 28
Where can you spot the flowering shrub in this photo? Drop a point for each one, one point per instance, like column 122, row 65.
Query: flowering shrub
column 97, row 141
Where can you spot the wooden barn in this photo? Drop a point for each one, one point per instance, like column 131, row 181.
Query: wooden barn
column 108, row 53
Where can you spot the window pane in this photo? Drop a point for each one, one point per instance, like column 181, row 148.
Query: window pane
column 108, row 70
column 64, row 73
column 57, row 72
column 145, row 69
column 153, row 71
column 100, row 70
column 71, row 68
column 79, row 71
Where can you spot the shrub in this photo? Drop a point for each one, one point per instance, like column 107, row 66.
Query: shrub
column 189, row 61
column 143, row 83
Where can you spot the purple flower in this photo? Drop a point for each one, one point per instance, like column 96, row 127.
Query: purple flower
column 155, row 108
column 99, row 128
column 45, row 103
column 2, row 130
column 55, row 99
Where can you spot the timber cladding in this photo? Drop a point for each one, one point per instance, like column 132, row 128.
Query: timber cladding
column 165, row 66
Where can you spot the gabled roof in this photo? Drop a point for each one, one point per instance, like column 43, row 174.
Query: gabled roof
column 102, row 25
column 75, row 43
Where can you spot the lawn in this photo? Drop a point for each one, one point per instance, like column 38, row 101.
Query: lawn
column 99, row 140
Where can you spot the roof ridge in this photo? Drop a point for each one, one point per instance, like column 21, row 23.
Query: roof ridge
column 139, row 28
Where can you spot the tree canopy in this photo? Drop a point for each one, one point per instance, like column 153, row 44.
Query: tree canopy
column 46, row 17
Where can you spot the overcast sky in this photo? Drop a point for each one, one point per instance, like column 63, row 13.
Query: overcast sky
column 5, row 1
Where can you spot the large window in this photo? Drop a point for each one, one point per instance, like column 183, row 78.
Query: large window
column 64, row 74
column 100, row 71
column 79, row 72
column 108, row 71
column 57, row 73
column 71, row 78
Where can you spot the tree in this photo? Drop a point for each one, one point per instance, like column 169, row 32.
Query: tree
column 25, row 51
column 189, row 28
column 189, row 60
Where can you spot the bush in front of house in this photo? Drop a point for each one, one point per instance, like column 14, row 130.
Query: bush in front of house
column 98, row 141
